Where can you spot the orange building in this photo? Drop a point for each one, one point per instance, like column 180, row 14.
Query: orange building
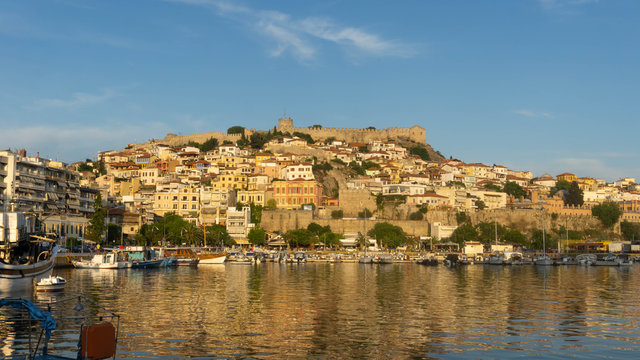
column 293, row 194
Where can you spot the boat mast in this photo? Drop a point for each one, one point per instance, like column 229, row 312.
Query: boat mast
column 544, row 247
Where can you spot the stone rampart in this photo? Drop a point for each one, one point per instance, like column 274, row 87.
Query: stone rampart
column 285, row 220
column 176, row 140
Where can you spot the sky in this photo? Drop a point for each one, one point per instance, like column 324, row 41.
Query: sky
column 549, row 86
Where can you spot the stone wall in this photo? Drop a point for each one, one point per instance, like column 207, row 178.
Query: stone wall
column 524, row 220
column 282, row 220
column 414, row 133
column 353, row 201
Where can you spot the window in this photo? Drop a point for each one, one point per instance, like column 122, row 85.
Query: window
column 194, row 206
column 184, row 206
column 175, row 206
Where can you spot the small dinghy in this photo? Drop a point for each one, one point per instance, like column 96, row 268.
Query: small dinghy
column 51, row 284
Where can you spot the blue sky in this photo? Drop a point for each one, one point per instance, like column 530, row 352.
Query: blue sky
column 541, row 85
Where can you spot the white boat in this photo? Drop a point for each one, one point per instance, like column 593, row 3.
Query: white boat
column 614, row 260
column 51, row 284
column 543, row 260
column 23, row 260
column 212, row 258
column 103, row 261
column 586, row 259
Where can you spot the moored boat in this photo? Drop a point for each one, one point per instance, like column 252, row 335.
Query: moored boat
column 23, row 261
column 110, row 260
column 211, row 258
column 51, row 284
column 614, row 260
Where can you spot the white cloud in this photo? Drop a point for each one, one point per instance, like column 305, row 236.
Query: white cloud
column 533, row 114
column 591, row 167
column 76, row 101
column 73, row 143
column 299, row 36
column 558, row 4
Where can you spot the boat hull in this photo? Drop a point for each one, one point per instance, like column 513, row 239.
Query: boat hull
column 20, row 277
column 212, row 259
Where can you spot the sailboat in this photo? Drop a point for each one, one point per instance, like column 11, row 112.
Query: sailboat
column 543, row 259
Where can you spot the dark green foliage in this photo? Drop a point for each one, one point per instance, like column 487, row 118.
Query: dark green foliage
column 304, row 136
column 366, row 213
column 371, row 128
column 630, row 231
column 487, row 232
column 491, row 186
column 84, row 167
column 464, row 233
column 421, row 152
column 513, row 236
column 560, row 185
column 424, row 209
column 388, row 235
column 462, row 217
column 536, row 240
column 239, row 206
column 300, row 237
column 208, row 145
column 330, row 239
column 514, row 190
column 338, row 161
column 416, row 216
column 337, row 214
column 608, row 213
column 363, row 149
column 257, row 236
column 243, row 142
column 101, row 169
column 457, row 183
column 325, row 166
column 217, row 234
column 554, row 216
column 235, row 130
column 113, row 233
column 357, row 168
column 96, row 224
column 481, row 205
column 318, row 229
column 574, row 195
column 256, row 213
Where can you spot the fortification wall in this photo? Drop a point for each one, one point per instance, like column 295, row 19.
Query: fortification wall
column 522, row 219
column 352, row 201
column 175, row 140
column 283, row 220
column 415, row 133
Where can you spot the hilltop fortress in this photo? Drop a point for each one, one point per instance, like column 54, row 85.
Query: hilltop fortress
column 285, row 125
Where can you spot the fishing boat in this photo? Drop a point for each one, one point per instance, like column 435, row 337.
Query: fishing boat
column 145, row 258
column 98, row 329
column 586, row 259
column 23, row 257
column 51, row 284
column 614, row 260
column 110, row 260
column 183, row 256
column 211, row 258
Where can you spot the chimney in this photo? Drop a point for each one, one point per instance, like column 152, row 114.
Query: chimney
column 23, row 152
column 38, row 155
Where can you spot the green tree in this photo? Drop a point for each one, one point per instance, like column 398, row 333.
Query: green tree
column 96, row 224
column 629, row 230
column 461, row 217
column 318, row 229
column 365, row 214
column 217, row 234
column 560, row 185
column 239, row 206
column 337, row 214
column 607, row 212
column 421, row 152
column 574, row 195
column 235, row 130
column 330, row 239
column 537, row 240
column 305, row 136
column 491, row 186
column 300, row 238
column 513, row 236
column 256, row 213
column 209, row 145
column 271, row 204
column 480, row 205
column 388, row 235
column 257, row 140
column 113, row 233
column 465, row 232
column 101, row 168
column 84, row 167
column 257, row 236
column 416, row 216
column 515, row 190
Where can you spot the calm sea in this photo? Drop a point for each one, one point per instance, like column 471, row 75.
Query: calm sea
column 350, row 310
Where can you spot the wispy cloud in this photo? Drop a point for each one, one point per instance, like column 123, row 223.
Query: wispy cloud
column 77, row 100
column 73, row 143
column 533, row 114
column 560, row 4
column 300, row 37
column 592, row 167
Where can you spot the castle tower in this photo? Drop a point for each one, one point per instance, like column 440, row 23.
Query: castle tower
column 285, row 124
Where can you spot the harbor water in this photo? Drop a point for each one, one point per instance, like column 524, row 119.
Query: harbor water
column 349, row 310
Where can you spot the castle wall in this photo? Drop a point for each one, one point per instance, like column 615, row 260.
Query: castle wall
column 415, row 133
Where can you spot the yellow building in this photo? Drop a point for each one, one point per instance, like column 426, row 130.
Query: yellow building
column 229, row 181
column 567, row 177
column 294, row 193
column 184, row 201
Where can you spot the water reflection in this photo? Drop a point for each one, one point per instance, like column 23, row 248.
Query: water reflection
column 364, row 311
